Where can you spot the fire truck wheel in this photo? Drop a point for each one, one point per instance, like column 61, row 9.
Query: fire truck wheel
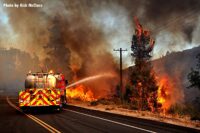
column 58, row 109
column 24, row 109
column 64, row 104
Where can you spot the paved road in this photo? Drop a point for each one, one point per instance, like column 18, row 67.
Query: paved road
column 76, row 120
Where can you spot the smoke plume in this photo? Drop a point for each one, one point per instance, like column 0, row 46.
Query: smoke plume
column 78, row 37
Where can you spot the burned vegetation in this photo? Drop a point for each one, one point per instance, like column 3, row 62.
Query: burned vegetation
column 141, row 91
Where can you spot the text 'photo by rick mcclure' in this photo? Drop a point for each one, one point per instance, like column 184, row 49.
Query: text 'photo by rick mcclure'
column 23, row 5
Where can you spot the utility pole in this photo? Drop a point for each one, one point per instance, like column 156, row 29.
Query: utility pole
column 121, row 82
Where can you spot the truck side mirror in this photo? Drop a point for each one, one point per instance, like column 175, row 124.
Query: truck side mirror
column 66, row 82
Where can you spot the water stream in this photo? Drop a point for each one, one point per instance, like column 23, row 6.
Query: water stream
column 90, row 78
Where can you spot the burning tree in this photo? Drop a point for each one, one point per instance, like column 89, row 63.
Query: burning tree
column 143, row 86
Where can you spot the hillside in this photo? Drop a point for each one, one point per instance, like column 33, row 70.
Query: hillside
column 177, row 65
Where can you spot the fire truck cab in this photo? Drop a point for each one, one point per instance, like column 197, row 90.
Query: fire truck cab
column 43, row 90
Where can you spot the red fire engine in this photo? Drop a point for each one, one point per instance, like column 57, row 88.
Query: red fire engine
column 43, row 90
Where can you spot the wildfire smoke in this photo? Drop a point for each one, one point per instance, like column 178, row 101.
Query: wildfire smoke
column 84, row 33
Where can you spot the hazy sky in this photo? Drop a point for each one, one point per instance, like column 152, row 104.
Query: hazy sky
column 175, row 27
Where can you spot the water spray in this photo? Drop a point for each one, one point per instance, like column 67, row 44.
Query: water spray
column 90, row 78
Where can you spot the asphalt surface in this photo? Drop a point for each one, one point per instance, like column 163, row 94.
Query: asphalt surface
column 76, row 120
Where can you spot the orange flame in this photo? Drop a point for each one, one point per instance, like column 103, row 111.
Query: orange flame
column 80, row 92
column 163, row 93
column 139, row 30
